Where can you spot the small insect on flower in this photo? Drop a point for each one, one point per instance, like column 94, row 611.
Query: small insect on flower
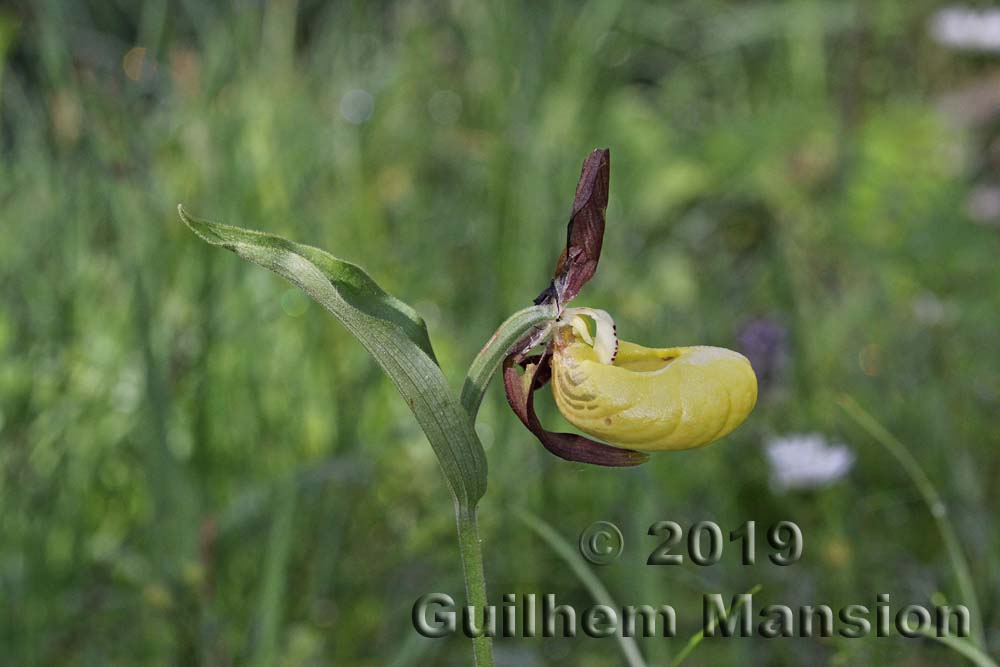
column 635, row 399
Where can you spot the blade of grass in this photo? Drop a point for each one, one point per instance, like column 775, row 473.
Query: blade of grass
column 272, row 596
column 933, row 501
column 415, row 650
column 964, row 648
column 597, row 590
column 698, row 636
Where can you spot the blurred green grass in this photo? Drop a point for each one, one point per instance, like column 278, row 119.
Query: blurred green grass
column 197, row 465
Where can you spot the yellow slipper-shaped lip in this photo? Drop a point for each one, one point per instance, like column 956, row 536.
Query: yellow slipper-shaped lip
column 651, row 399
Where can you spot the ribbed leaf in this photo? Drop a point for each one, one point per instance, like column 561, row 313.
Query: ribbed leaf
column 389, row 329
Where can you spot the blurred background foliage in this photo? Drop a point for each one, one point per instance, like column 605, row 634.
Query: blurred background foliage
column 199, row 466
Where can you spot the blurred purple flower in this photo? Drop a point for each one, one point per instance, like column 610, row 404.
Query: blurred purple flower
column 764, row 341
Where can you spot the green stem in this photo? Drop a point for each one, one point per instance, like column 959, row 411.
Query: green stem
column 483, row 367
column 934, row 503
column 471, row 549
column 488, row 361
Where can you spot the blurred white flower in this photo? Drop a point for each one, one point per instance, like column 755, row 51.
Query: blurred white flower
column 930, row 311
column 356, row 106
column 983, row 205
column 806, row 461
column 967, row 28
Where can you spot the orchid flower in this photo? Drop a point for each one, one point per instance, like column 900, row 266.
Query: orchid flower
column 634, row 399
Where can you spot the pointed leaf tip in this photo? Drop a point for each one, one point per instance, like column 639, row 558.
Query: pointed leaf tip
column 389, row 329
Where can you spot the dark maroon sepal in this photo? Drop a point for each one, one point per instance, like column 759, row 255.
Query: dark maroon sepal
column 585, row 232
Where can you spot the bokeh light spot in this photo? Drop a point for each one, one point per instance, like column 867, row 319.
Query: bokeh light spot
column 870, row 359
column 445, row 107
column 294, row 302
column 134, row 62
column 356, row 106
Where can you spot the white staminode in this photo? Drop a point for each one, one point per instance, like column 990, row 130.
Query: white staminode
column 806, row 461
column 605, row 337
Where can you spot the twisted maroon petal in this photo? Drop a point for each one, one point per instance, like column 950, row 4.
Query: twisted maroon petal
column 520, row 394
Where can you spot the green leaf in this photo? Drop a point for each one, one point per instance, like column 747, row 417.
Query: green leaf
column 285, row 257
column 390, row 330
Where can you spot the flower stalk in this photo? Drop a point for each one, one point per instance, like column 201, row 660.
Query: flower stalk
column 397, row 339
column 534, row 319
column 471, row 549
